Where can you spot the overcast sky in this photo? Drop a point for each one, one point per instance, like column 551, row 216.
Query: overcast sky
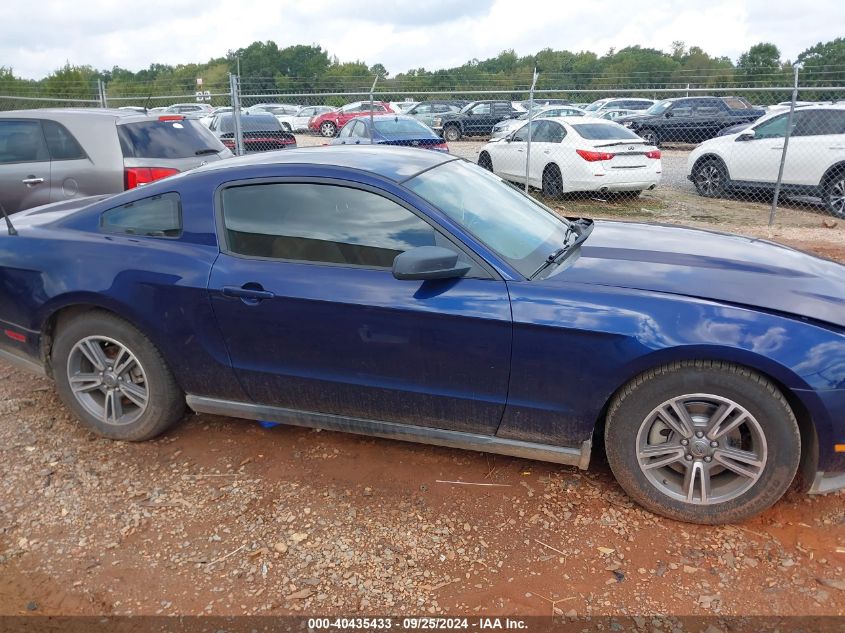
column 39, row 37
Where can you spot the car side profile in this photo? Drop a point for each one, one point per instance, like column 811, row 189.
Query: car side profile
column 474, row 119
column 51, row 155
column 508, row 126
column 327, row 124
column 390, row 129
column 412, row 295
column 749, row 159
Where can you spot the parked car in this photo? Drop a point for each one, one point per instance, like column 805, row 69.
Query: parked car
column 623, row 103
column 690, row 119
column 390, row 129
column 425, row 111
column 575, row 154
column 206, row 119
column 276, row 109
column 260, row 132
column 749, row 160
column 401, row 107
column 475, row 119
column 196, row 109
column 539, row 102
column 411, row 295
column 298, row 122
column 50, row 155
column 508, row 126
column 613, row 114
column 328, row 123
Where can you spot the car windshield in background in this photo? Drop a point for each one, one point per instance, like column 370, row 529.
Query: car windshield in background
column 251, row 123
column 401, row 127
column 166, row 139
column 659, row 108
column 604, row 132
column 512, row 224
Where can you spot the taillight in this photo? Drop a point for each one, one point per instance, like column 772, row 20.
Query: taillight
column 171, row 117
column 655, row 153
column 592, row 157
column 135, row 176
column 440, row 146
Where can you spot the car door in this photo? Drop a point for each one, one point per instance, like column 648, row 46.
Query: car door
column 478, row 118
column 546, row 141
column 709, row 116
column 817, row 143
column 677, row 121
column 24, row 165
column 757, row 158
column 72, row 173
column 508, row 155
column 315, row 321
column 423, row 112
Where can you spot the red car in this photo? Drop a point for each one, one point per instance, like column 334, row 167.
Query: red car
column 328, row 123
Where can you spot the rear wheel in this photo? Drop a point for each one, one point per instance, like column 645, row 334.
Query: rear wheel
column 552, row 182
column 704, row 442
column 328, row 129
column 710, row 178
column 452, row 133
column 833, row 195
column 114, row 379
column 485, row 161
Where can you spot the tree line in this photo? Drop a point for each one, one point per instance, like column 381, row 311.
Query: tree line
column 267, row 69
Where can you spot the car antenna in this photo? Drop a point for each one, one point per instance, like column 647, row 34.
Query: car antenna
column 147, row 102
column 9, row 225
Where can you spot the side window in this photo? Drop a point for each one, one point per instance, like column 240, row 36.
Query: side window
column 424, row 108
column 360, row 130
column 707, row 110
column 819, row 122
column 346, row 132
column 681, row 111
column 159, row 216
column 22, row 142
column 773, row 128
column 481, row 108
column 377, row 108
column 521, row 135
column 62, row 144
column 551, row 133
column 327, row 224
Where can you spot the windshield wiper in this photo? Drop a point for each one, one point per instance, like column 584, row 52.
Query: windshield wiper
column 582, row 228
column 207, row 150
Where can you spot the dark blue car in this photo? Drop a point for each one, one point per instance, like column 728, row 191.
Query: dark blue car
column 412, row 295
column 390, row 129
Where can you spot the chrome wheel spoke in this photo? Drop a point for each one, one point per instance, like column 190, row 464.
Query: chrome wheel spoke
column 697, row 479
column 94, row 353
column 675, row 415
column 668, row 454
column 715, row 430
column 744, row 463
column 123, row 362
column 85, row 382
column 113, row 407
column 136, row 393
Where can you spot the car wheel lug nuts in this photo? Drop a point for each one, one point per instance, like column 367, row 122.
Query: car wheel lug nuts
column 688, row 457
column 708, row 459
column 714, row 444
column 699, row 433
column 684, row 442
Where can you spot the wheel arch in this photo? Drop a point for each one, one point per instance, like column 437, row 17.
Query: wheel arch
column 788, row 383
column 711, row 156
column 832, row 171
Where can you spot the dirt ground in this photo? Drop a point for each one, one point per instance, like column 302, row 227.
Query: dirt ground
column 224, row 517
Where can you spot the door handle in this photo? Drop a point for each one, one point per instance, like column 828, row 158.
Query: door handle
column 781, row 147
column 253, row 295
column 520, row 150
column 32, row 180
column 545, row 151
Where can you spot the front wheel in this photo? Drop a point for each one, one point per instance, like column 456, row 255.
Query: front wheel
column 114, row 379
column 834, row 195
column 710, row 178
column 328, row 129
column 452, row 133
column 704, row 442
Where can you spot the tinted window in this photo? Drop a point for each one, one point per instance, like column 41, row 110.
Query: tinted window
column 707, row 110
column 346, row 131
column 166, row 139
column 548, row 132
column 62, row 144
column 681, row 111
column 159, row 216
column 359, row 130
column 320, row 223
column 22, row 142
column 250, row 123
column 481, row 108
column 604, row 132
column 423, row 108
column 819, row 122
column 735, row 103
column 401, row 127
column 773, row 128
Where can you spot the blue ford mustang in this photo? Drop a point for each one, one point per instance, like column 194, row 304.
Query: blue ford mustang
column 411, row 295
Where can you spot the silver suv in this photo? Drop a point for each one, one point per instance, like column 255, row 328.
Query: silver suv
column 52, row 155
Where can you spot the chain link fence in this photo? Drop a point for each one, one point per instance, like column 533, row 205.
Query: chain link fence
column 763, row 144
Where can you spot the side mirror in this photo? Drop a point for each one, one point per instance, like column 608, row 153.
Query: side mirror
column 509, row 137
column 428, row 262
column 747, row 135
column 669, row 115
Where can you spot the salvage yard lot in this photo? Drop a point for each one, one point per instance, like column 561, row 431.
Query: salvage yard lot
column 223, row 517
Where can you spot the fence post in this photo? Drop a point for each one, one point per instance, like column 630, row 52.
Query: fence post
column 372, row 90
column 786, row 136
column 101, row 93
column 528, row 145
column 234, row 90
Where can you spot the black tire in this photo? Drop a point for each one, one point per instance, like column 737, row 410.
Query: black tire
column 452, row 133
column 552, row 182
column 485, row 162
column 710, row 178
column 833, row 195
column 165, row 402
column 328, row 129
column 637, row 403
column 650, row 136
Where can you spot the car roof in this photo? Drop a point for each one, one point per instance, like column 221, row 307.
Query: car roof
column 391, row 162
column 113, row 113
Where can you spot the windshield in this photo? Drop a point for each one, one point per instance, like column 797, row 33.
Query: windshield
column 512, row 224
column 659, row 108
column 595, row 105
column 604, row 132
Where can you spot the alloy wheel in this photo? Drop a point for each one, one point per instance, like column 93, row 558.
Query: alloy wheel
column 709, row 180
column 836, row 197
column 702, row 449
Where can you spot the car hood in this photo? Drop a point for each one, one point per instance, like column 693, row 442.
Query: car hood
column 710, row 265
column 633, row 117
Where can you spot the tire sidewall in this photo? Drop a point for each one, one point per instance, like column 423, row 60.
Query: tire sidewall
column 828, row 194
column 710, row 162
column 771, row 412
column 160, row 383
column 452, row 133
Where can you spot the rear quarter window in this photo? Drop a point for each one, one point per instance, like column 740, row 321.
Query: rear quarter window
column 735, row 103
column 166, row 139
column 157, row 216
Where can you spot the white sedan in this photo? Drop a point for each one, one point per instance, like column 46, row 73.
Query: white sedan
column 748, row 161
column 298, row 122
column 575, row 154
